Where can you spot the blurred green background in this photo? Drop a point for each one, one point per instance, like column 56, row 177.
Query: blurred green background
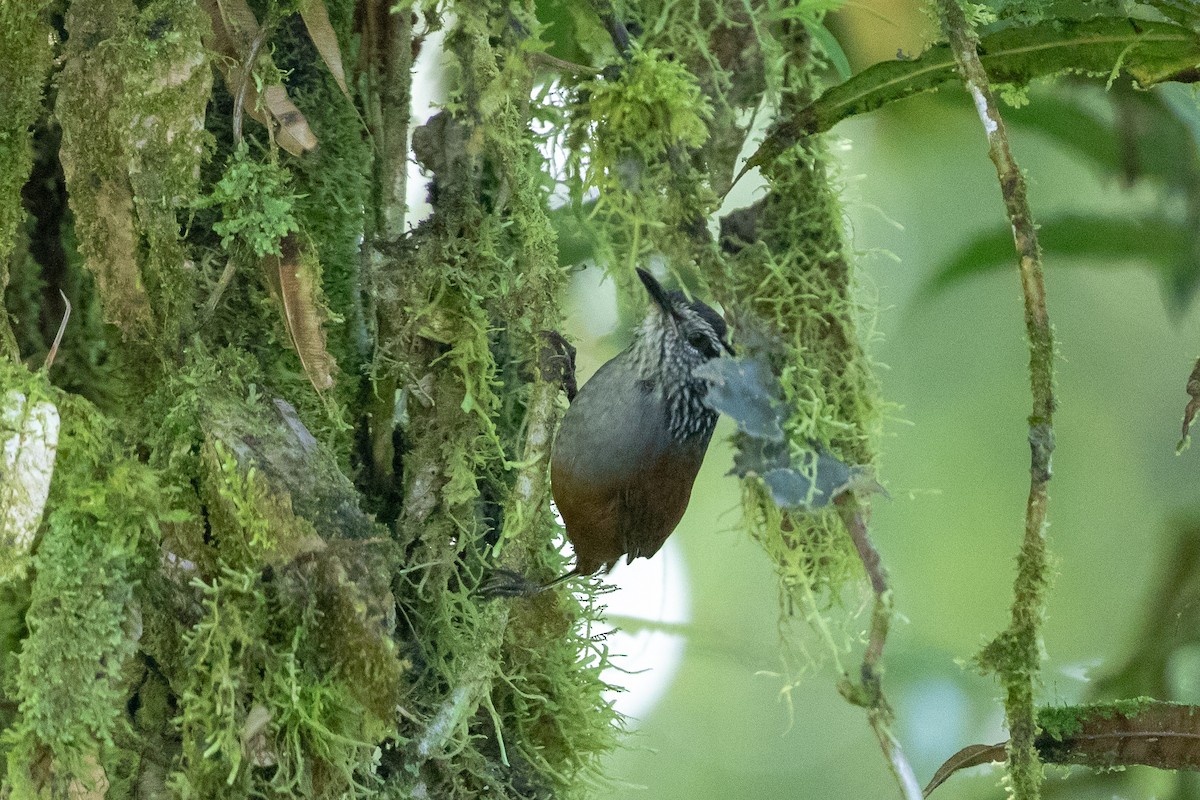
column 917, row 186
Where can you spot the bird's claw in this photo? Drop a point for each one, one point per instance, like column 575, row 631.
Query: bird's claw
column 507, row 583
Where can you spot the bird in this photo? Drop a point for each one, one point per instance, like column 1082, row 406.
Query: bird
column 632, row 441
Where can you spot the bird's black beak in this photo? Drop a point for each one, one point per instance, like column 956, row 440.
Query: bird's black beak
column 657, row 293
column 728, row 348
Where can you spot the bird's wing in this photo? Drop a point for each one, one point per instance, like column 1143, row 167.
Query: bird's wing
column 611, row 431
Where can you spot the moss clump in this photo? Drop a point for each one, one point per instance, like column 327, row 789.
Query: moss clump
column 254, row 715
column 654, row 104
column 631, row 143
column 256, row 202
column 83, row 620
column 332, row 188
column 1063, row 722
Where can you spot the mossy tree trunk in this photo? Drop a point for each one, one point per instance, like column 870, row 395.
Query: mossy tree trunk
column 289, row 433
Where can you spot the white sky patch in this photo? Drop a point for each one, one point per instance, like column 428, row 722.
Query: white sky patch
column 646, row 659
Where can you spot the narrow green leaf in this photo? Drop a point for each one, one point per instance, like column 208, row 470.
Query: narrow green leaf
column 831, row 48
column 1085, row 240
column 1149, row 52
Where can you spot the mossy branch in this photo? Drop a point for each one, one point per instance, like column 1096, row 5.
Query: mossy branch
column 388, row 40
column 1016, row 653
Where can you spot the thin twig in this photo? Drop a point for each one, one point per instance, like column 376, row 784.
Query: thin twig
column 244, row 84
column 1015, row 654
column 544, row 58
column 214, row 299
column 869, row 692
column 58, row 337
column 615, row 27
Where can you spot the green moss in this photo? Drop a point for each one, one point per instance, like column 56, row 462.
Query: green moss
column 654, row 104
column 1063, row 722
column 631, row 141
column 83, row 620
column 255, row 716
column 332, row 187
column 26, row 49
column 131, row 103
column 256, row 203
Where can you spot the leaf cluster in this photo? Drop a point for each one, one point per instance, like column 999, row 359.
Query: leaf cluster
column 256, row 203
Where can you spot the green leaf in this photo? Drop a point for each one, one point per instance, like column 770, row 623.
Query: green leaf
column 830, row 47
column 1153, row 134
column 1090, row 240
column 1149, row 52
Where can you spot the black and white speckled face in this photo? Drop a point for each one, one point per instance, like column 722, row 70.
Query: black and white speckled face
column 677, row 336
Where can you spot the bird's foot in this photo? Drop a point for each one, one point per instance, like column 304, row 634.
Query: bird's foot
column 507, row 583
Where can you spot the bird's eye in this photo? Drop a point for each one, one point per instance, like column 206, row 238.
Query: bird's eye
column 701, row 342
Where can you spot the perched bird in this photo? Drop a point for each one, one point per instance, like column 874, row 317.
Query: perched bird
column 631, row 443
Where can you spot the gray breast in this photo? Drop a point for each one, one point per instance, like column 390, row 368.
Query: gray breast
column 614, row 425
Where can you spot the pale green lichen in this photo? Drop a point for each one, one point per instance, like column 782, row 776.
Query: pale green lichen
column 652, row 105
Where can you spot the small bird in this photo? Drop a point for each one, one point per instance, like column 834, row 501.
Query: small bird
column 631, row 443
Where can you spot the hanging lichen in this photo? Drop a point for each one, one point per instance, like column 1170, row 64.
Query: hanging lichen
column 629, row 150
column 795, row 290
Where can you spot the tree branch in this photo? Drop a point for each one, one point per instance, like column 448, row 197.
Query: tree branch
column 1015, row 654
column 869, row 693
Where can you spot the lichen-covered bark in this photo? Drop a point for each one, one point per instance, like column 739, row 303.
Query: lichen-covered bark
column 131, row 102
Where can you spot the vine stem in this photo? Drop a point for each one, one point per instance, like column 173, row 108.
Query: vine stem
column 1015, row 654
column 869, row 692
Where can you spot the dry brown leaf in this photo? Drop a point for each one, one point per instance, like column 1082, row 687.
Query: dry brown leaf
column 316, row 19
column 293, row 133
column 295, row 282
column 234, row 29
column 970, row 756
column 1189, row 413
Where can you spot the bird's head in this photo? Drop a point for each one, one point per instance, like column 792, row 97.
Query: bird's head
column 688, row 332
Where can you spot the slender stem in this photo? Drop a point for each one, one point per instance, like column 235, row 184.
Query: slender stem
column 869, row 692
column 390, row 88
column 239, row 104
column 1015, row 654
column 540, row 57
